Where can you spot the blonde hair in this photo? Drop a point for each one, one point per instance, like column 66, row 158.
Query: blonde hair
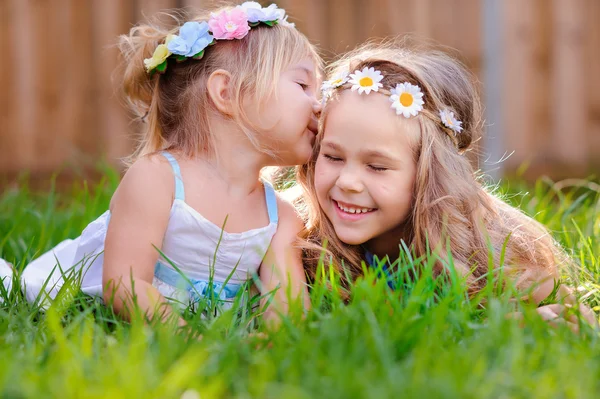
column 176, row 105
column 450, row 205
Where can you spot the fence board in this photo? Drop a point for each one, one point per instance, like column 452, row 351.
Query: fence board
column 395, row 19
column 111, row 19
column 311, row 17
column 50, row 54
column 443, row 23
column 467, row 23
column 422, row 15
column 520, row 68
column 569, row 83
column 81, row 101
column 24, row 74
column 541, row 106
column 592, row 61
column 8, row 118
column 343, row 34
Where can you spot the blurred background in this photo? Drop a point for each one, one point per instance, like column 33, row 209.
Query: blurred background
column 538, row 62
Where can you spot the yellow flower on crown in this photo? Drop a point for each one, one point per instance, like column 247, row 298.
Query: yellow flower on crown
column 160, row 55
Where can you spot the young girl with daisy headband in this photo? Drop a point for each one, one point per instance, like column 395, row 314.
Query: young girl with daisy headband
column 389, row 167
column 222, row 96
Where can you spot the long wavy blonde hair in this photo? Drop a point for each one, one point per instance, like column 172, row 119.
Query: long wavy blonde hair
column 176, row 105
column 450, row 205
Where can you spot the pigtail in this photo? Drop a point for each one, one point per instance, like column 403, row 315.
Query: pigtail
column 140, row 88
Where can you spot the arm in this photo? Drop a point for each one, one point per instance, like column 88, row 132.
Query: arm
column 140, row 211
column 282, row 266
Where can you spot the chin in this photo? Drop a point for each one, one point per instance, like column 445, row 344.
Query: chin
column 303, row 157
column 350, row 239
column 293, row 158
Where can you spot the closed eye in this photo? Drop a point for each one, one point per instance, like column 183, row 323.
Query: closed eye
column 303, row 85
column 331, row 158
column 377, row 168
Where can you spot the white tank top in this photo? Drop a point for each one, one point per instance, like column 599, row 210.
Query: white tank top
column 199, row 258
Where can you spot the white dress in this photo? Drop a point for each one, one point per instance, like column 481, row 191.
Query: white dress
column 211, row 261
column 5, row 276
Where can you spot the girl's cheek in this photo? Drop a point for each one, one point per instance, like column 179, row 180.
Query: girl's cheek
column 321, row 173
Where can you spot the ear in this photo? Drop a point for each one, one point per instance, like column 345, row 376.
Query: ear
column 218, row 86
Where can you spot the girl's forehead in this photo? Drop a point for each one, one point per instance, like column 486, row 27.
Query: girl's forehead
column 305, row 65
column 369, row 117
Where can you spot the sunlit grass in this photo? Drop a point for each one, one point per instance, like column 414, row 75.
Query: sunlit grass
column 425, row 340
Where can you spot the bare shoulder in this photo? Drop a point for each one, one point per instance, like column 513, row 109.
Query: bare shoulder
column 290, row 221
column 149, row 179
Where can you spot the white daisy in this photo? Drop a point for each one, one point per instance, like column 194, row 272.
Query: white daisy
column 326, row 94
column 330, row 85
column 450, row 121
column 407, row 99
column 336, row 81
column 366, row 80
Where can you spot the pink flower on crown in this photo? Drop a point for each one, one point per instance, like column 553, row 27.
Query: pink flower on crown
column 229, row 25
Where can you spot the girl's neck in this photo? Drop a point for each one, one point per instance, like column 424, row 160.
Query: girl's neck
column 236, row 162
column 388, row 243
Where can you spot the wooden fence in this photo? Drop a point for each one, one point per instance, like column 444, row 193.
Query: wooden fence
column 58, row 103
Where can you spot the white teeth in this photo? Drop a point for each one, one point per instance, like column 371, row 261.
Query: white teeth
column 353, row 210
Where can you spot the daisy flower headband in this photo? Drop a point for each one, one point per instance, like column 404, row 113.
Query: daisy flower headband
column 406, row 98
column 194, row 37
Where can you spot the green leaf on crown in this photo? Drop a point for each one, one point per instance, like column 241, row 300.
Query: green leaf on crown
column 162, row 67
column 199, row 55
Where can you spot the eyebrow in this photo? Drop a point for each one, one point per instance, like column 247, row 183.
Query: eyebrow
column 367, row 153
column 379, row 154
column 331, row 145
column 310, row 73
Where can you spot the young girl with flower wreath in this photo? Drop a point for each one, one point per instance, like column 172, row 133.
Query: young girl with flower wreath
column 389, row 166
column 223, row 96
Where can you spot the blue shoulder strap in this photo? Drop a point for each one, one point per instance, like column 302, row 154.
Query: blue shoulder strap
column 179, row 191
column 271, row 202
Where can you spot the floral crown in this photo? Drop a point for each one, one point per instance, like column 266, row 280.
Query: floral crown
column 195, row 37
column 407, row 99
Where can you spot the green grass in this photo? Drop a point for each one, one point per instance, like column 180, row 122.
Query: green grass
column 426, row 341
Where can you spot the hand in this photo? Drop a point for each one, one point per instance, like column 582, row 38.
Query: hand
column 557, row 314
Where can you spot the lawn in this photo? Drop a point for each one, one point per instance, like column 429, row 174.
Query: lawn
column 424, row 341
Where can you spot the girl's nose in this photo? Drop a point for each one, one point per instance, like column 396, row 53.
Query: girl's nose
column 317, row 107
column 349, row 180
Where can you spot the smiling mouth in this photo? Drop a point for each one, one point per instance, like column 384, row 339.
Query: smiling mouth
column 352, row 209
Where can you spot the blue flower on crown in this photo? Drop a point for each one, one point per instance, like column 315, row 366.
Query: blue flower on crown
column 192, row 39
